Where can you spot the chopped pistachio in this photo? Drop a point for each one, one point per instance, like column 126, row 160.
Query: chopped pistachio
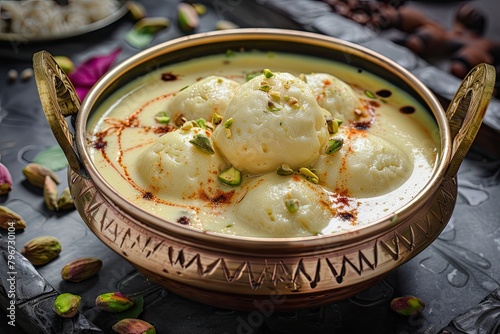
column 333, row 124
column 230, row 176
column 179, row 119
column 309, row 175
column 250, row 76
column 230, row 53
column 292, row 205
column 334, row 145
column 201, row 123
column 370, row 94
column 273, row 107
column 303, row 77
column 162, row 117
column 267, row 73
column 284, row 169
column 265, row 87
column 228, row 123
column 216, row 119
column 202, row 143
column 187, row 126
column 228, row 133
column 275, row 95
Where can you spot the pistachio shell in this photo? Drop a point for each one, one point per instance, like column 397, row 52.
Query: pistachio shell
column 41, row 250
column 9, row 218
column 65, row 201
column 136, row 10
column 133, row 326
column 36, row 173
column 81, row 269
column 50, row 193
column 187, row 17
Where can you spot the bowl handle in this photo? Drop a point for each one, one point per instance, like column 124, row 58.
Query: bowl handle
column 466, row 111
column 59, row 100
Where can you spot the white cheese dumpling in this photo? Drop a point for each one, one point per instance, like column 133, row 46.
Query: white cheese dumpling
column 365, row 166
column 203, row 98
column 337, row 97
column 174, row 168
column 284, row 206
column 273, row 119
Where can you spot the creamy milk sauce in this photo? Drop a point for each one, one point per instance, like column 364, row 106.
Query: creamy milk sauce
column 124, row 127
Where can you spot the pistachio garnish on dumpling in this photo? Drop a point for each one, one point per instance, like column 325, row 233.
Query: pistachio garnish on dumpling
column 362, row 164
column 203, row 98
column 337, row 97
column 275, row 120
column 181, row 164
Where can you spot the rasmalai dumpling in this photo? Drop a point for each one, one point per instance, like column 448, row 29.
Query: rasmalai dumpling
column 275, row 119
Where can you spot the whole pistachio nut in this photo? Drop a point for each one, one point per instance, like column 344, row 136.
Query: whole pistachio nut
column 41, row 250
column 113, row 302
column 50, row 193
column 133, row 326
column 81, row 269
column 65, row 201
column 65, row 63
column 66, row 304
column 187, row 17
column 136, row 10
column 5, row 180
column 36, row 173
column 407, row 305
column 10, row 219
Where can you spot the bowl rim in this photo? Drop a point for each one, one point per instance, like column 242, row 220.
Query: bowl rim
column 359, row 234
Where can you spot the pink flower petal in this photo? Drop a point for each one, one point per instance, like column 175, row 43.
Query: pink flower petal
column 89, row 72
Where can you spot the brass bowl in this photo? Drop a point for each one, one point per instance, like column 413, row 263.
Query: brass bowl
column 246, row 273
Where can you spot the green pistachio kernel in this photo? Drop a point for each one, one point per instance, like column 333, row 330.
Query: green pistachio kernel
column 292, row 205
column 162, row 117
column 284, row 169
column 265, row 87
column 230, row 176
column 202, row 143
column 216, row 119
column 228, row 123
column 334, row 145
column 267, row 73
column 370, row 94
column 66, row 305
column 309, row 175
column 202, row 123
column 333, row 124
column 273, row 107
